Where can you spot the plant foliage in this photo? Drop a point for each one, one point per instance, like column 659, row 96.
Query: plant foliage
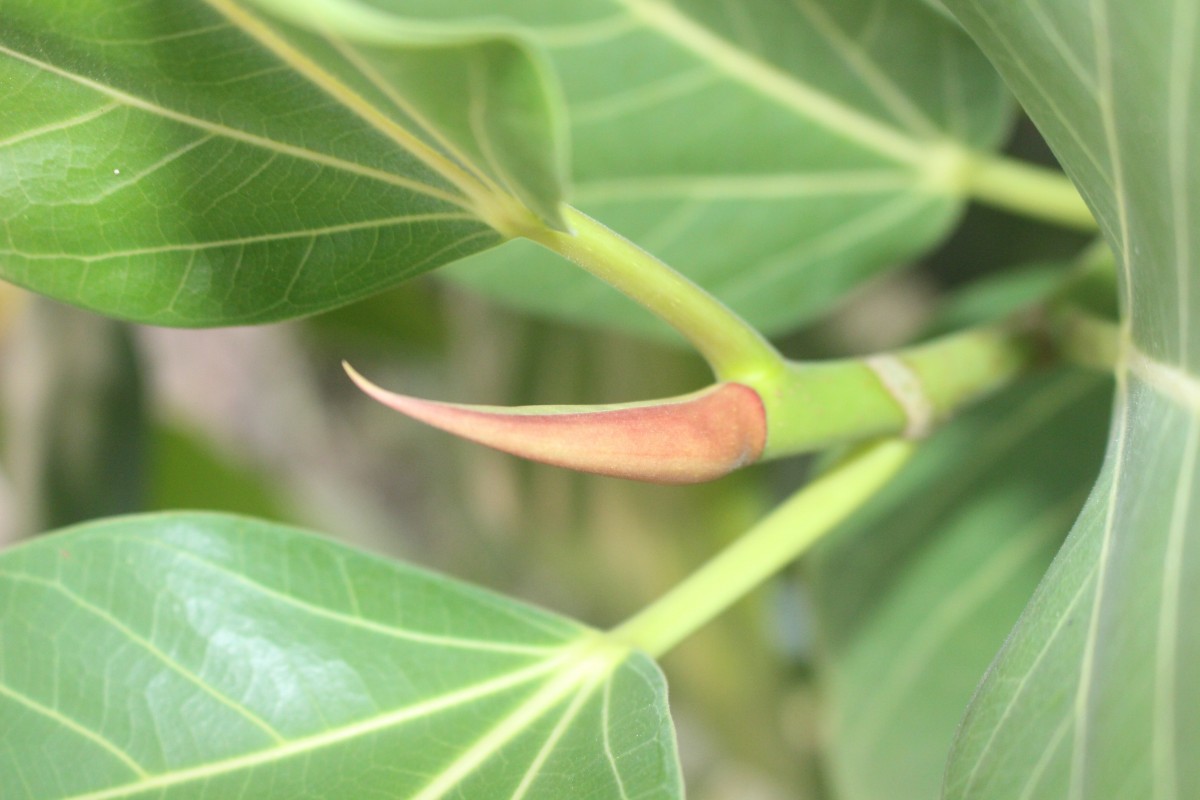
column 204, row 656
column 207, row 163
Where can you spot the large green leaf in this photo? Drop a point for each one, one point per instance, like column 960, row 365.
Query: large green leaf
column 776, row 152
column 193, row 163
column 915, row 595
column 204, row 656
column 1092, row 696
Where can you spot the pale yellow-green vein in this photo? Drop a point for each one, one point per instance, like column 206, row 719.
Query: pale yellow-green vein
column 72, row 725
column 324, row 159
column 417, row 637
column 298, row 747
column 152, row 649
column 476, row 194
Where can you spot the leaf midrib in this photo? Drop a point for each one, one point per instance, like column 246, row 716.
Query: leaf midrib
column 472, row 187
column 343, row 733
column 324, row 159
column 1170, row 381
column 361, row 622
column 780, row 86
column 593, row 663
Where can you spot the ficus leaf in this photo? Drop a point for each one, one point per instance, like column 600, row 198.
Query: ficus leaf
column 777, row 153
column 205, row 656
column 201, row 163
column 1092, row 695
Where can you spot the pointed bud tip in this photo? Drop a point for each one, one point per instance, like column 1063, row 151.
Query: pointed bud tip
column 689, row 439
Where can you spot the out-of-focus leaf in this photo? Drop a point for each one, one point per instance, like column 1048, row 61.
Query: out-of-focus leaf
column 778, row 153
column 915, row 595
column 996, row 296
column 187, row 472
column 408, row 318
column 1092, row 695
column 75, row 422
column 197, row 163
column 204, row 656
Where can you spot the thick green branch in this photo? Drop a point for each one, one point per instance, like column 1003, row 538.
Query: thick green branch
column 815, row 405
column 769, row 546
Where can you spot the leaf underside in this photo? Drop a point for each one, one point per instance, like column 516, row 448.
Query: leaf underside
column 916, row 594
column 206, row 656
column 1093, row 694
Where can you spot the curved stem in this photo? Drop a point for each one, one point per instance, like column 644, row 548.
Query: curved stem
column 1029, row 189
column 734, row 349
column 808, row 405
column 770, row 545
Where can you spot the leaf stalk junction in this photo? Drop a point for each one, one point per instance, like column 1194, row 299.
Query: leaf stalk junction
column 888, row 401
column 811, row 406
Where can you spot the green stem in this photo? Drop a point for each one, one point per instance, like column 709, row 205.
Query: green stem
column 769, row 546
column 811, row 405
column 1028, row 189
column 734, row 349
column 814, row 405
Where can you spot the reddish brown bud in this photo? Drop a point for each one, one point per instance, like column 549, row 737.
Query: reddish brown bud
column 688, row 439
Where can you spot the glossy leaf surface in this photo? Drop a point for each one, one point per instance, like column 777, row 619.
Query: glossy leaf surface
column 917, row 593
column 205, row 656
column 197, row 163
column 1092, row 696
column 778, row 153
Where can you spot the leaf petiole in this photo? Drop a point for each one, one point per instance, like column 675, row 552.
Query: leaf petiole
column 777, row 540
column 1028, row 189
column 734, row 349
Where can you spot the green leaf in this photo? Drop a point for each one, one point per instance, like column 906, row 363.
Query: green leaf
column 1112, row 87
column 915, row 595
column 205, row 656
column 194, row 163
column 1092, row 695
column 777, row 153
column 189, row 471
column 485, row 98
